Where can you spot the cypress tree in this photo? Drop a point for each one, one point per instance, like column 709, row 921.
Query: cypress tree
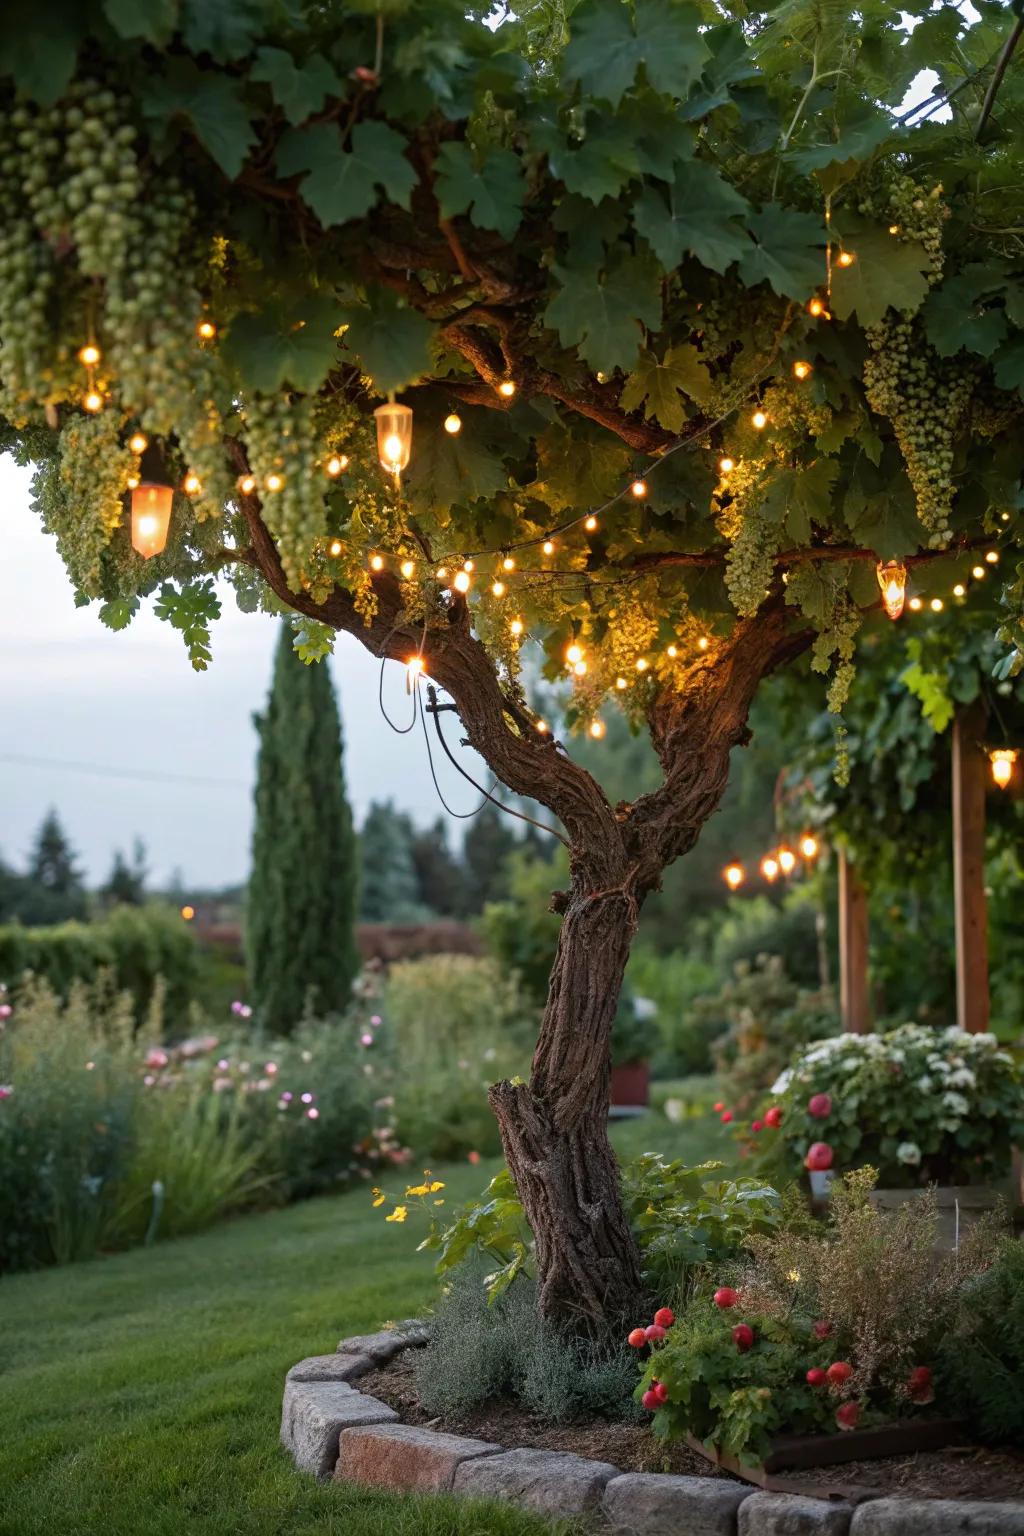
column 300, row 938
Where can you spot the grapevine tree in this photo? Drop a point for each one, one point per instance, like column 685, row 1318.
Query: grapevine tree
column 700, row 318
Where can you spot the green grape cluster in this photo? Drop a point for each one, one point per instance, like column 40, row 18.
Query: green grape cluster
column 101, row 176
column 913, row 213
column 81, row 494
column 750, row 562
column 283, row 456
column 925, row 397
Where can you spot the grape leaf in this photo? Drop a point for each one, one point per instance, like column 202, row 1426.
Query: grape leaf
column 602, row 316
column 670, row 45
column 152, row 20
column 956, row 316
column 886, row 523
column 192, row 611
column 885, row 273
column 225, row 29
column 391, row 342
column 789, row 253
column 299, row 89
column 119, row 612
column 281, row 345
column 492, row 192
column 449, row 471
column 599, row 167
column 700, row 217
column 1009, row 364
column 663, row 387
column 858, row 138
column 39, row 47
column 340, row 185
column 605, row 51
column 213, row 105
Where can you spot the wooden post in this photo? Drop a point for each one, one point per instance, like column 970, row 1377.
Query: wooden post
column 969, row 785
column 854, row 1004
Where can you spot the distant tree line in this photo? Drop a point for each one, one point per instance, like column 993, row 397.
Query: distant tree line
column 51, row 888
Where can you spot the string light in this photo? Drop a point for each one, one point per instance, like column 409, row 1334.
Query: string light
column 892, row 580
column 573, row 654
column 1003, row 761
column 376, row 562
column 413, row 668
column 845, row 259
column 641, row 664
column 336, row 464
column 275, row 482
column 639, row 489
column 759, row 421
column 580, row 669
column 979, row 572
column 89, row 355
column 672, row 652
column 548, row 547
column 770, row 867
column 335, row 547
column 809, row 846
column 597, row 729
column 206, row 330
column 734, row 875
column 816, row 308
column 787, row 860
column 92, row 401
column 508, row 564
column 247, row 484
column 959, row 590
column 992, row 557
column 703, row 643
column 542, row 727
column 468, row 565
column 621, row 683
column 516, row 626
column 462, row 581
column 188, row 913
column 191, row 485
column 441, row 572
column 894, row 229
column 590, row 523
column 801, row 369
column 507, row 388
column 498, row 588
column 453, row 424
column 937, row 605
column 726, row 466
column 408, row 569
column 138, row 442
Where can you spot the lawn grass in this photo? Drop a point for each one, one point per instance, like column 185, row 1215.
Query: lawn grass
column 141, row 1393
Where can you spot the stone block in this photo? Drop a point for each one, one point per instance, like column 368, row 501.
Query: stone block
column 937, row 1517
column 313, row 1416
column 382, row 1346
column 330, row 1368
column 554, row 1483
column 407, row 1457
column 660, row 1504
column 793, row 1514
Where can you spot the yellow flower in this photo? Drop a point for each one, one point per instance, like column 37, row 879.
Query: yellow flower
column 439, row 1202
column 417, row 1189
column 437, row 1184
column 398, row 1214
column 379, row 1200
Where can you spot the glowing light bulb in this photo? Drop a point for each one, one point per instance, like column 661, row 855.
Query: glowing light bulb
column 734, row 875
column 394, row 436
column 770, row 867
column 441, row 572
column 93, row 401
column 274, row 482
column 671, row 652
column 1003, row 760
column 845, row 259
column 641, row 664
column 89, row 355
column 787, row 860
column 620, row 683
column 815, row 308
column 247, row 484
column 206, row 330
column 759, row 421
column 915, row 605
column 498, row 588
column 639, row 489
column 801, row 369
column 336, row 464
column 573, row 654
column 461, row 582
column 408, row 569
column 147, row 525
column 894, row 229
column 138, row 442
column 992, row 557
column 467, row 565
column 936, row 605
column 132, row 482
column 548, row 547
column 191, row 485
column 335, row 547
column 703, row 643
column 508, row 564
column 541, row 726
column 597, row 729
column 188, row 913
column 413, row 668
column 959, row 590
column 453, row 424
column 979, row 573
column 892, row 581
column 590, row 523
column 726, row 466
column 516, row 626
column 809, row 846
column 392, row 448
column 580, row 669
column 507, row 388
column 376, row 562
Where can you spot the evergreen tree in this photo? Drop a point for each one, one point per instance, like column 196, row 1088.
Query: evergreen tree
column 390, row 891
column 489, row 841
column 438, row 873
column 300, row 938
column 126, row 882
column 52, row 890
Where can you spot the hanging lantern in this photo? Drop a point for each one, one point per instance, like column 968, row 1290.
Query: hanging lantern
column 770, row 867
column 787, row 860
column 394, row 436
column 734, row 875
column 1003, row 761
column 809, row 846
column 892, row 580
column 151, row 516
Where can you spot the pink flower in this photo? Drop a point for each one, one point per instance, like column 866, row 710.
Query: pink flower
column 5, row 1010
column 757, row 1125
column 312, row 1114
column 157, row 1058
column 6, row 1089
column 307, row 1098
column 236, row 1007
column 366, row 1039
column 270, row 1068
column 223, row 1064
column 725, row 1116
column 148, row 1080
column 473, row 1157
column 286, row 1097
column 375, row 1019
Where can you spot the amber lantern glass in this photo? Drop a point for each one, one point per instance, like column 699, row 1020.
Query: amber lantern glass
column 892, row 579
column 151, row 517
column 394, row 436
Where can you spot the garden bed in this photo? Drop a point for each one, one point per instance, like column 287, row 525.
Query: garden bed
column 957, row 1472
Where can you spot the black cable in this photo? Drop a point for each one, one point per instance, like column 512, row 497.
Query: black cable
column 459, row 815
column 399, row 730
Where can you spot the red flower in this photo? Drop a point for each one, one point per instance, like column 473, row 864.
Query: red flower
column 650, row 1400
column 919, row 1385
column 719, row 1107
column 847, row 1415
column 816, row 1377
column 726, row 1117
column 773, row 1117
column 757, row 1125
column 819, row 1156
column 664, row 1317
column 743, row 1337
column 654, row 1334
column 725, row 1297
column 839, row 1372
column 822, row 1329
column 820, row 1105
column 660, row 1391
column 637, row 1339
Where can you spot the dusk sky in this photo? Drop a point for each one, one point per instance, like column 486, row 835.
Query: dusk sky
column 74, row 696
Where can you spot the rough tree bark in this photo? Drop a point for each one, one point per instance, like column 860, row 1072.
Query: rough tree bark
column 554, row 1128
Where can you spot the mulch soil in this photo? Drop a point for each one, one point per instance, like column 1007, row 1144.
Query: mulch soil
column 959, row 1472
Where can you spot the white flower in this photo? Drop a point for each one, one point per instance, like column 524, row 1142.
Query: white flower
column 963, row 1077
column 956, row 1103
column 908, row 1152
column 924, row 1084
column 780, row 1084
column 898, row 1056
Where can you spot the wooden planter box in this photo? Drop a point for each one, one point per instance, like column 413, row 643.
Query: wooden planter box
column 960, row 1206
column 800, row 1452
column 631, row 1086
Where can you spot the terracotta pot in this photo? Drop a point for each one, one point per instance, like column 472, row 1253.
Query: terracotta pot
column 631, row 1085
column 960, row 1206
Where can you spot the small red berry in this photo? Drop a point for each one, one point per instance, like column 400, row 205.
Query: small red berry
column 726, row 1117
column 725, row 1297
column 757, row 1125
column 816, row 1376
column 650, row 1400
column 919, row 1385
column 664, row 1317
column 822, row 1329
column 839, row 1372
column 654, row 1333
column 660, row 1391
column 638, row 1338
column 773, row 1117
column 820, row 1105
column 847, row 1415
column 743, row 1337
column 819, row 1156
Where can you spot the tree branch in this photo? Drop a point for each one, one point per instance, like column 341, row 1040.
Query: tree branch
column 1002, row 64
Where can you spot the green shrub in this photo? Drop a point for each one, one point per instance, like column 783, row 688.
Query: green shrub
column 759, row 1019
column 673, row 982
column 521, row 933
column 452, row 1025
column 135, row 944
column 982, row 1358
column 759, row 926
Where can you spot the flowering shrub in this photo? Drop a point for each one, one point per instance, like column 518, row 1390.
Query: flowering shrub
column 918, row 1104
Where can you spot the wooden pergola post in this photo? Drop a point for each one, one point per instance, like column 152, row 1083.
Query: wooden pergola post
column 854, row 1000
column 969, row 785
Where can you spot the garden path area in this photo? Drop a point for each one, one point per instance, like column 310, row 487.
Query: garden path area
column 140, row 1395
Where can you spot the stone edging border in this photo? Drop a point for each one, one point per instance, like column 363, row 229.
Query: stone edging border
column 334, row 1431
